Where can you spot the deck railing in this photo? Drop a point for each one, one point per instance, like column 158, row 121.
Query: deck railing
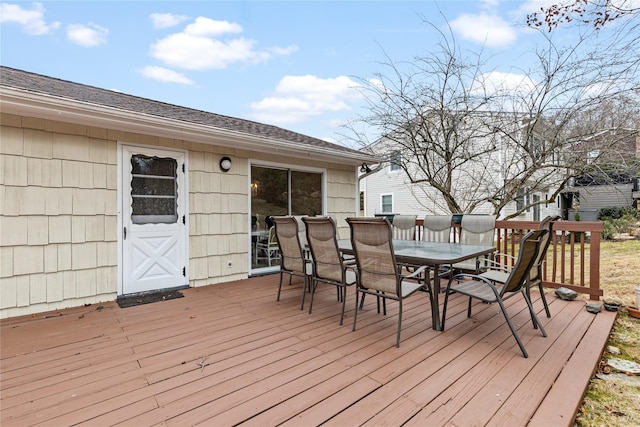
column 573, row 257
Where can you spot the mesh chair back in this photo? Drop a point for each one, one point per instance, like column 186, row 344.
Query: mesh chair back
column 371, row 239
column 478, row 229
column 302, row 233
column 404, row 227
column 529, row 251
column 437, row 228
column 290, row 250
column 321, row 235
column 545, row 224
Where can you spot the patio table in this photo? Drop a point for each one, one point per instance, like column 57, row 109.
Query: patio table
column 433, row 254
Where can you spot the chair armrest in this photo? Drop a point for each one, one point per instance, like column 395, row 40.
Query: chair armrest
column 349, row 261
column 477, row 278
column 417, row 272
column 492, row 264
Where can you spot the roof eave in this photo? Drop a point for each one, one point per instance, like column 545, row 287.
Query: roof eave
column 19, row 102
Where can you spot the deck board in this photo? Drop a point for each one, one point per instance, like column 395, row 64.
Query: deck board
column 270, row 363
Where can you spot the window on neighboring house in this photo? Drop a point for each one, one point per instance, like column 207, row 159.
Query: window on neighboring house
column 592, row 156
column 395, row 161
column 520, row 199
column 537, row 147
column 386, row 203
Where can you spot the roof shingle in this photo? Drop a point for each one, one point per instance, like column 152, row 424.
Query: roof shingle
column 36, row 83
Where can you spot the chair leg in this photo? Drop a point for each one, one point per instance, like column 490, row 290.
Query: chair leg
column 343, row 292
column 513, row 331
column 384, row 305
column 279, row 287
column 534, row 317
column 469, row 308
column 355, row 312
column 544, row 300
column 399, row 322
column 304, row 291
column 312, row 290
column 444, row 307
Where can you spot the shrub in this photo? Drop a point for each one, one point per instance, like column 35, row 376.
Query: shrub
column 609, row 230
column 616, row 212
column 613, row 226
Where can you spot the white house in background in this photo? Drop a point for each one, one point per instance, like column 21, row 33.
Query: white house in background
column 104, row 194
column 389, row 190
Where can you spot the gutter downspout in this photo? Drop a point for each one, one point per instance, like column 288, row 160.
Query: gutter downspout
column 361, row 177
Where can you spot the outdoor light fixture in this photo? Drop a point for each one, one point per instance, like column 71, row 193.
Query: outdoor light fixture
column 365, row 168
column 225, row 164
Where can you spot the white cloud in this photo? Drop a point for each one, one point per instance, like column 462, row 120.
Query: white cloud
column 298, row 98
column 166, row 20
column 165, row 75
column 511, row 90
column 483, row 28
column 205, row 27
column 499, row 82
column 31, row 20
column 87, row 35
column 201, row 46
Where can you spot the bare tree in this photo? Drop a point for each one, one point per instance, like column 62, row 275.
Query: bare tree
column 597, row 13
column 467, row 143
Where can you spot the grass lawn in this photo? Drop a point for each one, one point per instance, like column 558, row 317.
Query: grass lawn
column 611, row 400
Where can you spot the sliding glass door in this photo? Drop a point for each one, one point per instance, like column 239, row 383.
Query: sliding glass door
column 279, row 191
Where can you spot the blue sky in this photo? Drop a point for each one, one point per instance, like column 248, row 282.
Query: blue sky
column 292, row 64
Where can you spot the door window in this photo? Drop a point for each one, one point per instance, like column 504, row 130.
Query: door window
column 154, row 190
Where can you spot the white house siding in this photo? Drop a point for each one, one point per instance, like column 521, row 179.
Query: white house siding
column 58, row 212
column 489, row 170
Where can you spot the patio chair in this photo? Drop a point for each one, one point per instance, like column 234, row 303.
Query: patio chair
column 268, row 248
column 302, row 233
column 293, row 261
column 546, row 221
column 378, row 273
column 500, row 272
column 437, row 228
column 475, row 230
column 489, row 291
column 328, row 264
column 404, row 227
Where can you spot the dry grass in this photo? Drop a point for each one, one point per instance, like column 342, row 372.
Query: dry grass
column 620, row 269
column 610, row 401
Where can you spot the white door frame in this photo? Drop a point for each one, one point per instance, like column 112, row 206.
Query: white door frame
column 119, row 204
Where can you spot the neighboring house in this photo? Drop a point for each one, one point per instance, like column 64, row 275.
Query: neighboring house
column 389, row 190
column 614, row 183
column 104, row 194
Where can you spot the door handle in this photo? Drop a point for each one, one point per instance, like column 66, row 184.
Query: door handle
column 125, row 233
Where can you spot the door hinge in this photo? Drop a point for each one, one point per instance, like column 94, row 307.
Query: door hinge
column 184, row 271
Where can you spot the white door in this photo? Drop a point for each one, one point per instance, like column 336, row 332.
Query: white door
column 154, row 220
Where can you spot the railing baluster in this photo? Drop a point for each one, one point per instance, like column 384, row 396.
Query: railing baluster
column 563, row 246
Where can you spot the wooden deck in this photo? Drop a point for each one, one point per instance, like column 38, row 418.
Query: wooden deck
column 230, row 354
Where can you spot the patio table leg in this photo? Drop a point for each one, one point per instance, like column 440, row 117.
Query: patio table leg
column 435, row 305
